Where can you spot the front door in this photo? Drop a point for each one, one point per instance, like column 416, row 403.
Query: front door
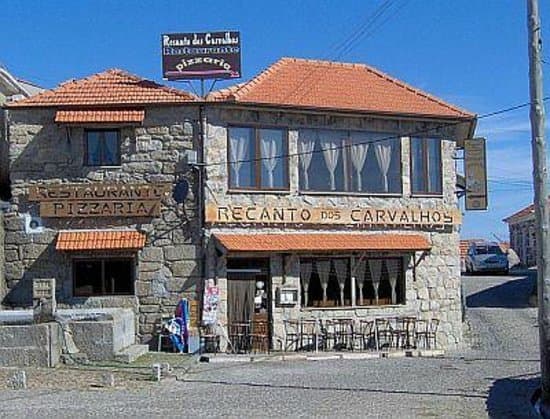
column 248, row 303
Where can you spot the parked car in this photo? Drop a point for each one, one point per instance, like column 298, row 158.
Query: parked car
column 486, row 257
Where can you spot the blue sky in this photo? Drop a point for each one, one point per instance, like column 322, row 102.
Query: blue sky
column 472, row 53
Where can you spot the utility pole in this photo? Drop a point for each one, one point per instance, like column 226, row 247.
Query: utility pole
column 538, row 146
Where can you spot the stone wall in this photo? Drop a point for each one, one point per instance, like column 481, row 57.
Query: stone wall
column 168, row 267
column 432, row 286
column 2, row 261
column 4, row 159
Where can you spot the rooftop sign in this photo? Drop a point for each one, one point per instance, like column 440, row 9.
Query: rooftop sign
column 201, row 55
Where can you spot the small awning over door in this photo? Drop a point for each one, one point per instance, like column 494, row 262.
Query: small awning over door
column 321, row 242
column 76, row 240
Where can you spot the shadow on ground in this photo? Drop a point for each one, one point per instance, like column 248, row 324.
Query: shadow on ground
column 499, row 295
column 511, row 397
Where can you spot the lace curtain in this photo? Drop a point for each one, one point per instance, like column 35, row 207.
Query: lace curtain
column 323, row 270
column 375, row 267
column 305, row 149
column 238, row 146
column 341, row 268
column 331, row 153
column 269, row 156
column 383, row 157
column 358, row 156
column 306, row 269
column 360, row 268
column 392, row 265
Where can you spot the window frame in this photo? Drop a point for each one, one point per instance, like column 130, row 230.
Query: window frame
column 347, row 144
column 353, row 282
column 102, row 259
column 87, row 131
column 426, row 166
column 258, row 188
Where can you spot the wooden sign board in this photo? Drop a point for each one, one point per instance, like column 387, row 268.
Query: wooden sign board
column 99, row 200
column 236, row 214
column 475, row 170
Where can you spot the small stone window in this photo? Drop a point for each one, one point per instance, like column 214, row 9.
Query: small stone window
column 102, row 148
column 103, row 276
column 328, row 282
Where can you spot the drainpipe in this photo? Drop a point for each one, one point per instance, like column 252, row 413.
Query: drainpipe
column 201, row 190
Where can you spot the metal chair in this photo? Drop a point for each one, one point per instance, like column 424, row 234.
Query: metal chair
column 344, row 333
column 239, row 336
column 292, row 334
column 365, row 334
column 431, row 335
column 308, row 334
column 209, row 339
column 259, row 336
column 383, row 332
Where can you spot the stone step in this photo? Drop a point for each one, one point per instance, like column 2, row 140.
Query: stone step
column 131, row 353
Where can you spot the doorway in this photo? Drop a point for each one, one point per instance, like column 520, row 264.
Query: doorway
column 249, row 304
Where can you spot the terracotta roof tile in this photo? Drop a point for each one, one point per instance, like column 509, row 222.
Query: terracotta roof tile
column 100, row 240
column 324, row 84
column 100, row 116
column 296, row 242
column 111, row 87
column 528, row 210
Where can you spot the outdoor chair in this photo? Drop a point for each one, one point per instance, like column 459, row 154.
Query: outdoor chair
column 292, row 334
column 163, row 335
column 259, row 336
column 421, row 334
column 239, row 336
column 308, row 334
column 431, row 338
column 328, row 333
column 343, row 329
column 209, row 340
column 365, row 334
column 383, row 331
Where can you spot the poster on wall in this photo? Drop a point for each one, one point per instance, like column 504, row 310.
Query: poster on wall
column 201, row 55
column 210, row 303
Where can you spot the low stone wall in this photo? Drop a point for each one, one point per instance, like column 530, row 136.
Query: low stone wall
column 33, row 345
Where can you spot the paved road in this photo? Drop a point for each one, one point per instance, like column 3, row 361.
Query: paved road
column 495, row 378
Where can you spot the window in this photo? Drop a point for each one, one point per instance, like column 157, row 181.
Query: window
column 102, row 148
column 426, row 166
column 328, row 282
column 109, row 276
column 258, row 158
column 344, row 161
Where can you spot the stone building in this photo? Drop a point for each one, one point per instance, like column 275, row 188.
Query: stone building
column 329, row 192
column 339, row 199
column 93, row 164
column 521, row 226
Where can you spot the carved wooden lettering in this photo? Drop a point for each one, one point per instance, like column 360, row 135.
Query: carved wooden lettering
column 331, row 216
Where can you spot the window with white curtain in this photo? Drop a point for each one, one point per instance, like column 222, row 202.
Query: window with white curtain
column 258, row 158
column 329, row 281
column 349, row 161
column 426, row 168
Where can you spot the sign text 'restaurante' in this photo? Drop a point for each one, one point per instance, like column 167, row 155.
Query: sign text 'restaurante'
column 347, row 216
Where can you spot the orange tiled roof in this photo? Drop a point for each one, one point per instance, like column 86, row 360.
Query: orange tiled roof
column 100, row 240
column 100, row 116
column 528, row 210
column 111, row 87
column 296, row 242
column 324, row 84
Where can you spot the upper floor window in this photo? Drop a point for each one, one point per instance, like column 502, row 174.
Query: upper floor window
column 258, row 158
column 342, row 161
column 426, row 166
column 102, row 148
